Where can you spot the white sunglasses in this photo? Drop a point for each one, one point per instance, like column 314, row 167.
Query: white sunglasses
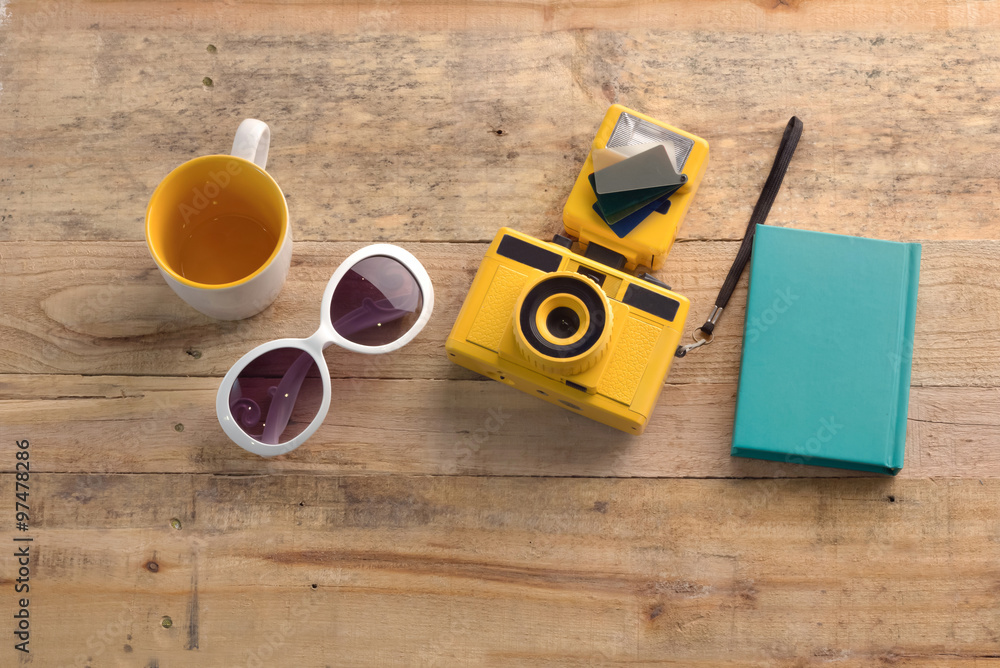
column 277, row 395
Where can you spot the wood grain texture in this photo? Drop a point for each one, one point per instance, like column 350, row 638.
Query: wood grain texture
column 126, row 424
column 416, row 136
column 319, row 16
column 102, row 308
column 464, row 523
column 424, row 571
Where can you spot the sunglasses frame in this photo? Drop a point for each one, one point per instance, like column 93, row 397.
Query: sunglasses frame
column 322, row 339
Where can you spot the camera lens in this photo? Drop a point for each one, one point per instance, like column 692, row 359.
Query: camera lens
column 563, row 322
column 563, row 316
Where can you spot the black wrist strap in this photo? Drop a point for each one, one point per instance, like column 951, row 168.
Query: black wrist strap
column 759, row 216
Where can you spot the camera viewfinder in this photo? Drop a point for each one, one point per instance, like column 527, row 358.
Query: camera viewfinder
column 595, row 276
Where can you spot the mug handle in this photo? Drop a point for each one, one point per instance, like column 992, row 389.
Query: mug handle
column 253, row 138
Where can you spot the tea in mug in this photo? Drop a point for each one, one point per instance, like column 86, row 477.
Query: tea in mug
column 218, row 220
column 224, row 248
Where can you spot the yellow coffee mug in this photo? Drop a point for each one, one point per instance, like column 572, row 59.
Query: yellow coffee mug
column 217, row 228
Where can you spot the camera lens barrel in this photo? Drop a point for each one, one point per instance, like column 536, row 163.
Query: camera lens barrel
column 562, row 323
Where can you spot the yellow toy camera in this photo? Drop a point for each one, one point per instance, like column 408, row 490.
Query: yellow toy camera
column 569, row 329
column 648, row 243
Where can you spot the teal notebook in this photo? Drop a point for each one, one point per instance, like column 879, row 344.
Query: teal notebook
column 827, row 347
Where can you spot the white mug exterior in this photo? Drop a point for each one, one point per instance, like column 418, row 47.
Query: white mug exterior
column 250, row 297
column 244, row 299
column 252, row 141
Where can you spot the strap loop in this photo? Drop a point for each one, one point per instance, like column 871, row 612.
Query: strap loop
column 789, row 140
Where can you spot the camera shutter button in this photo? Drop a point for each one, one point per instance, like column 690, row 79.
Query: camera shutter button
column 566, row 242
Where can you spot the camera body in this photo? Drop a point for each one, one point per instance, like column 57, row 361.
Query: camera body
column 573, row 328
column 648, row 243
column 568, row 329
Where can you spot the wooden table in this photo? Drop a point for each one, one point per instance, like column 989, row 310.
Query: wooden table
column 438, row 518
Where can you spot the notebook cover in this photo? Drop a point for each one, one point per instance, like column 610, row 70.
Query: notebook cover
column 827, row 348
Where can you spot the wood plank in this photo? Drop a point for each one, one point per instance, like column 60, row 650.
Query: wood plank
column 509, row 15
column 513, row 572
column 168, row 425
column 102, row 308
column 394, row 136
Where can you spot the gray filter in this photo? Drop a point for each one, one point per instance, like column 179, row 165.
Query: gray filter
column 630, row 130
column 652, row 168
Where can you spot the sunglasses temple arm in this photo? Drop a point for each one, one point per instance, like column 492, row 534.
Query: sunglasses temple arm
column 369, row 314
column 284, row 399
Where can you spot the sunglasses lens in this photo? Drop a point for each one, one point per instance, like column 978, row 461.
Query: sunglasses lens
column 377, row 302
column 277, row 395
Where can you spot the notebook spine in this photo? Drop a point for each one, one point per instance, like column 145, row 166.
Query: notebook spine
column 904, row 355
